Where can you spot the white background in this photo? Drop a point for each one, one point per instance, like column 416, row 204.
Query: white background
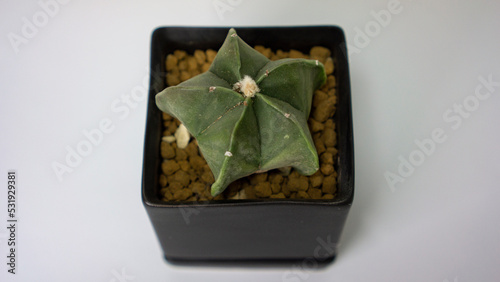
column 440, row 224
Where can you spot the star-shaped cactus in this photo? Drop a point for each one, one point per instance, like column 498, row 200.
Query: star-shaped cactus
column 248, row 113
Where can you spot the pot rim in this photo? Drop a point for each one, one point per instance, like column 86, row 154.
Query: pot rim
column 343, row 198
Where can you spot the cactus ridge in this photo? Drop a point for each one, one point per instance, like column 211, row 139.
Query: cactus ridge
column 248, row 113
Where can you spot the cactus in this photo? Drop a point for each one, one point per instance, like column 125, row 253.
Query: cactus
column 248, row 114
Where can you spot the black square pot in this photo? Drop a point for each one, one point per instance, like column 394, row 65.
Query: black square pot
column 245, row 230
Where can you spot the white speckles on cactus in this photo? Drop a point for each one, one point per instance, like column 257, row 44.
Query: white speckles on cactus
column 248, row 113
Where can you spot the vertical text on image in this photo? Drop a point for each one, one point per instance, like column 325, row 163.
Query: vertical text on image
column 12, row 221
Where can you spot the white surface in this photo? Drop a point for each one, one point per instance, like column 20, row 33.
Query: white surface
column 441, row 224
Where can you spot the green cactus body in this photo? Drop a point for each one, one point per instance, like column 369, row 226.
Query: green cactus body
column 248, row 113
